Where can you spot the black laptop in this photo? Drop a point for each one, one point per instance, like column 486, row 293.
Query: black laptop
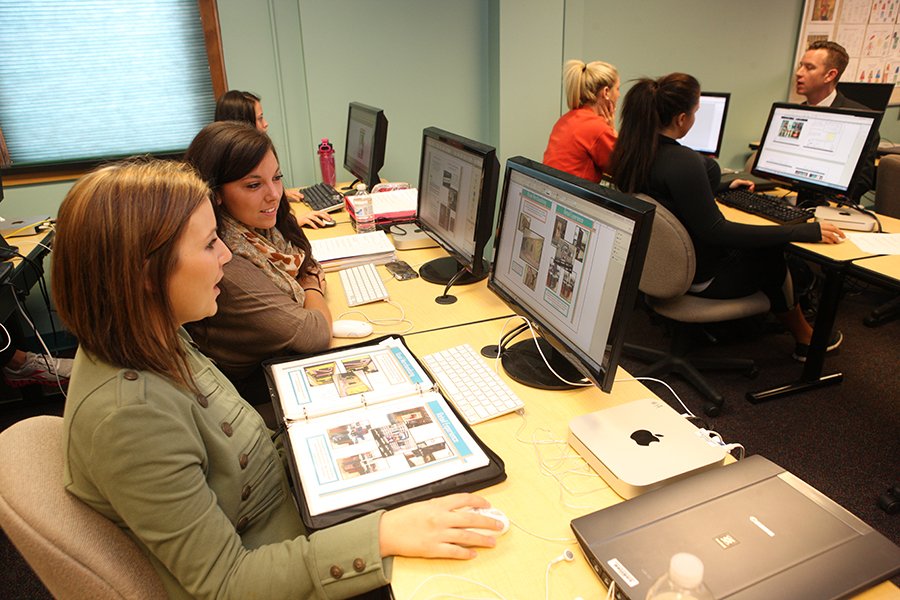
column 760, row 531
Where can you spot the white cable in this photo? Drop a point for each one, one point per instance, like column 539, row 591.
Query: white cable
column 37, row 333
column 8, row 337
column 541, row 352
column 446, row 595
column 611, row 590
column 384, row 322
column 680, row 401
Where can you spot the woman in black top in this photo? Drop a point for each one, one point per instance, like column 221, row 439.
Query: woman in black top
column 733, row 259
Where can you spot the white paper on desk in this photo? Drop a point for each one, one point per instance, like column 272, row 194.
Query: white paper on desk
column 346, row 246
column 393, row 203
column 876, row 243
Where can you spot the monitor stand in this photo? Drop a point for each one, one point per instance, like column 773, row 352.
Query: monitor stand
column 442, row 270
column 808, row 199
column 523, row 363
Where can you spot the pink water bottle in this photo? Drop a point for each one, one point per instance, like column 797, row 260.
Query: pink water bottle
column 326, row 162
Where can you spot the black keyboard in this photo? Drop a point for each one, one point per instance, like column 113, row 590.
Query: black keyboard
column 322, row 196
column 767, row 207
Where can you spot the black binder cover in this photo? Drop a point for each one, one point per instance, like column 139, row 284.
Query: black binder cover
column 494, row 472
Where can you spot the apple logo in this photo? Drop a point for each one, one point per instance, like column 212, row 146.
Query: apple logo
column 644, row 438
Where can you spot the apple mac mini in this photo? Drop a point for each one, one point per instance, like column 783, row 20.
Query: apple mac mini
column 642, row 445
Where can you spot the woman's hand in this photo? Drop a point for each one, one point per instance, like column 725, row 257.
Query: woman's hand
column 831, row 233
column 436, row 528
column 293, row 194
column 314, row 219
column 742, row 183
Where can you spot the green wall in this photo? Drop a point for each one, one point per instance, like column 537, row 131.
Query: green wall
column 487, row 69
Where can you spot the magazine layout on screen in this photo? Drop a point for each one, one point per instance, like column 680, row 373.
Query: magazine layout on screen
column 563, row 262
column 450, row 194
column 367, row 423
column 822, row 148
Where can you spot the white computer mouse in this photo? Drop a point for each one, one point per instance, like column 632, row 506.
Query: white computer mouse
column 494, row 513
column 347, row 328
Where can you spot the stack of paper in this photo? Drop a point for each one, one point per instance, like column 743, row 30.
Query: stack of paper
column 395, row 206
column 347, row 251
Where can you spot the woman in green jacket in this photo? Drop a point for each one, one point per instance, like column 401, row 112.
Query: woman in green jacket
column 158, row 440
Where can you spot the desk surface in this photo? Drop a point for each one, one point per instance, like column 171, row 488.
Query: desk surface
column 884, row 266
column 533, row 500
column 416, row 296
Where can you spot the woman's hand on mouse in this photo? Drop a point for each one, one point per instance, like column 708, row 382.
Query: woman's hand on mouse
column 436, row 528
column 831, row 233
column 742, row 183
column 314, row 219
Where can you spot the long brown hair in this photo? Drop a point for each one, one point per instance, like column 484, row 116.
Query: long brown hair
column 114, row 251
column 649, row 106
column 227, row 151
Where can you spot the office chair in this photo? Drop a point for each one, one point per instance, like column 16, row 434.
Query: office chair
column 887, row 202
column 76, row 551
column 667, row 277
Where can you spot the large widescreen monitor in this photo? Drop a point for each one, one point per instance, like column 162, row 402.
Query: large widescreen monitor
column 568, row 255
column 709, row 124
column 457, row 195
column 817, row 151
column 365, row 145
column 874, row 96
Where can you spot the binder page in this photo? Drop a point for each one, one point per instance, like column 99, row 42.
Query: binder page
column 368, row 453
column 348, row 379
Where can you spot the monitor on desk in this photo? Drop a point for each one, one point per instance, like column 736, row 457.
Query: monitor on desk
column 815, row 150
column 709, row 124
column 365, row 144
column 457, row 194
column 874, row 96
column 568, row 255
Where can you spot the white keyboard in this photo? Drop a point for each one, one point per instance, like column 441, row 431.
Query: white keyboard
column 362, row 285
column 471, row 384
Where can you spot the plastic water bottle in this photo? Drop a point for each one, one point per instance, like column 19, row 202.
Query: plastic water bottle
column 362, row 207
column 683, row 581
column 326, row 162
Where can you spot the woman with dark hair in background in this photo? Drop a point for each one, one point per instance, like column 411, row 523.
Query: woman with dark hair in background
column 733, row 259
column 246, row 107
column 157, row 440
column 273, row 292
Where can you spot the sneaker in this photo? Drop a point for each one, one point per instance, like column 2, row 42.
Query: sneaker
column 801, row 350
column 40, row 369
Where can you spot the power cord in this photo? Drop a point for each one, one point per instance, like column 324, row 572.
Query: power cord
column 581, row 383
column 37, row 333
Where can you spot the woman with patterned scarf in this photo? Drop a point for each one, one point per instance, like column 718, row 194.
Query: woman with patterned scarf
column 273, row 293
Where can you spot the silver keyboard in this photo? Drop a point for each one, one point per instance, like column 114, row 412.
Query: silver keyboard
column 471, row 384
column 362, row 285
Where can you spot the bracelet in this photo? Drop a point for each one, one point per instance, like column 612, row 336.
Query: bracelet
column 312, row 289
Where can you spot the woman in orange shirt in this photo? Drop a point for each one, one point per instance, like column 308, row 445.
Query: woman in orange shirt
column 582, row 140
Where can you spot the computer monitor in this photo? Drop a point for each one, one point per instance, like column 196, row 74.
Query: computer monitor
column 366, row 140
column 457, row 194
column 817, row 151
column 6, row 251
column 709, row 124
column 874, row 96
column 568, row 255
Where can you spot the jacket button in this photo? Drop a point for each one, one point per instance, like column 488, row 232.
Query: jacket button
column 243, row 460
column 245, row 493
column 130, row 375
column 359, row 565
column 336, row 572
column 202, row 401
column 226, row 427
column 242, row 524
